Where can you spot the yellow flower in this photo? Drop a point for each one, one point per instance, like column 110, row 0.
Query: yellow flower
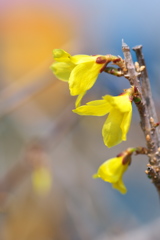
column 80, row 71
column 118, row 121
column 41, row 180
column 112, row 171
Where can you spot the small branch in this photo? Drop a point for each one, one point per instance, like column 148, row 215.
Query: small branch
column 146, row 90
column 114, row 71
column 146, row 111
column 141, row 150
column 132, row 76
column 145, row 82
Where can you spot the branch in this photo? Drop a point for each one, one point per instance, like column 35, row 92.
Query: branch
column 146, row 90
column 132, row 76
column 146, row 111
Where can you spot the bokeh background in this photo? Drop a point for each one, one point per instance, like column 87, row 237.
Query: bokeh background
column 47, row 153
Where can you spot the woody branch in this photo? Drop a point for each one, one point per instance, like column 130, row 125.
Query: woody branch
column 146, row 109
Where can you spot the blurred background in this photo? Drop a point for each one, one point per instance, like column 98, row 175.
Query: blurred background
column 48, row 154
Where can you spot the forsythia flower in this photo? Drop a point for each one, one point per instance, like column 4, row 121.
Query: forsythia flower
column 117, row 124
column 113, row 169
column 80, row 71
column 41, row 180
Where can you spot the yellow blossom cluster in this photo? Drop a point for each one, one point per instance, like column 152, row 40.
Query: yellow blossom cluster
column 81, row 72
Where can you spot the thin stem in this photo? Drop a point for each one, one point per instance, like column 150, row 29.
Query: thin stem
column 114, row 71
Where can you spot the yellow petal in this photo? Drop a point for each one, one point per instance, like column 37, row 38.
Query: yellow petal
column 95, row 175
column 112, row 171
column 122, row 102
column 79, row 99
column 62, row 70
column 77, row 59
column 60, row 55
column 94, row 108
column 83, row 77
column 111, row 131
column 120, row 186
column 125, row 124
column 109, row 170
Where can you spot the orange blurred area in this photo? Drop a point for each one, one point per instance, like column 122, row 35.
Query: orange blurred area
column 30, row 33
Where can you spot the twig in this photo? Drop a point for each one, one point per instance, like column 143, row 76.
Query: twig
column 132, row 76
column 146, row 111
column 146, row 90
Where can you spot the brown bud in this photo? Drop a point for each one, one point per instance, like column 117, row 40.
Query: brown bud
column 148, row 138
column 141, row 68
column 101, row 60
column 151, row 120
column 152, row 161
